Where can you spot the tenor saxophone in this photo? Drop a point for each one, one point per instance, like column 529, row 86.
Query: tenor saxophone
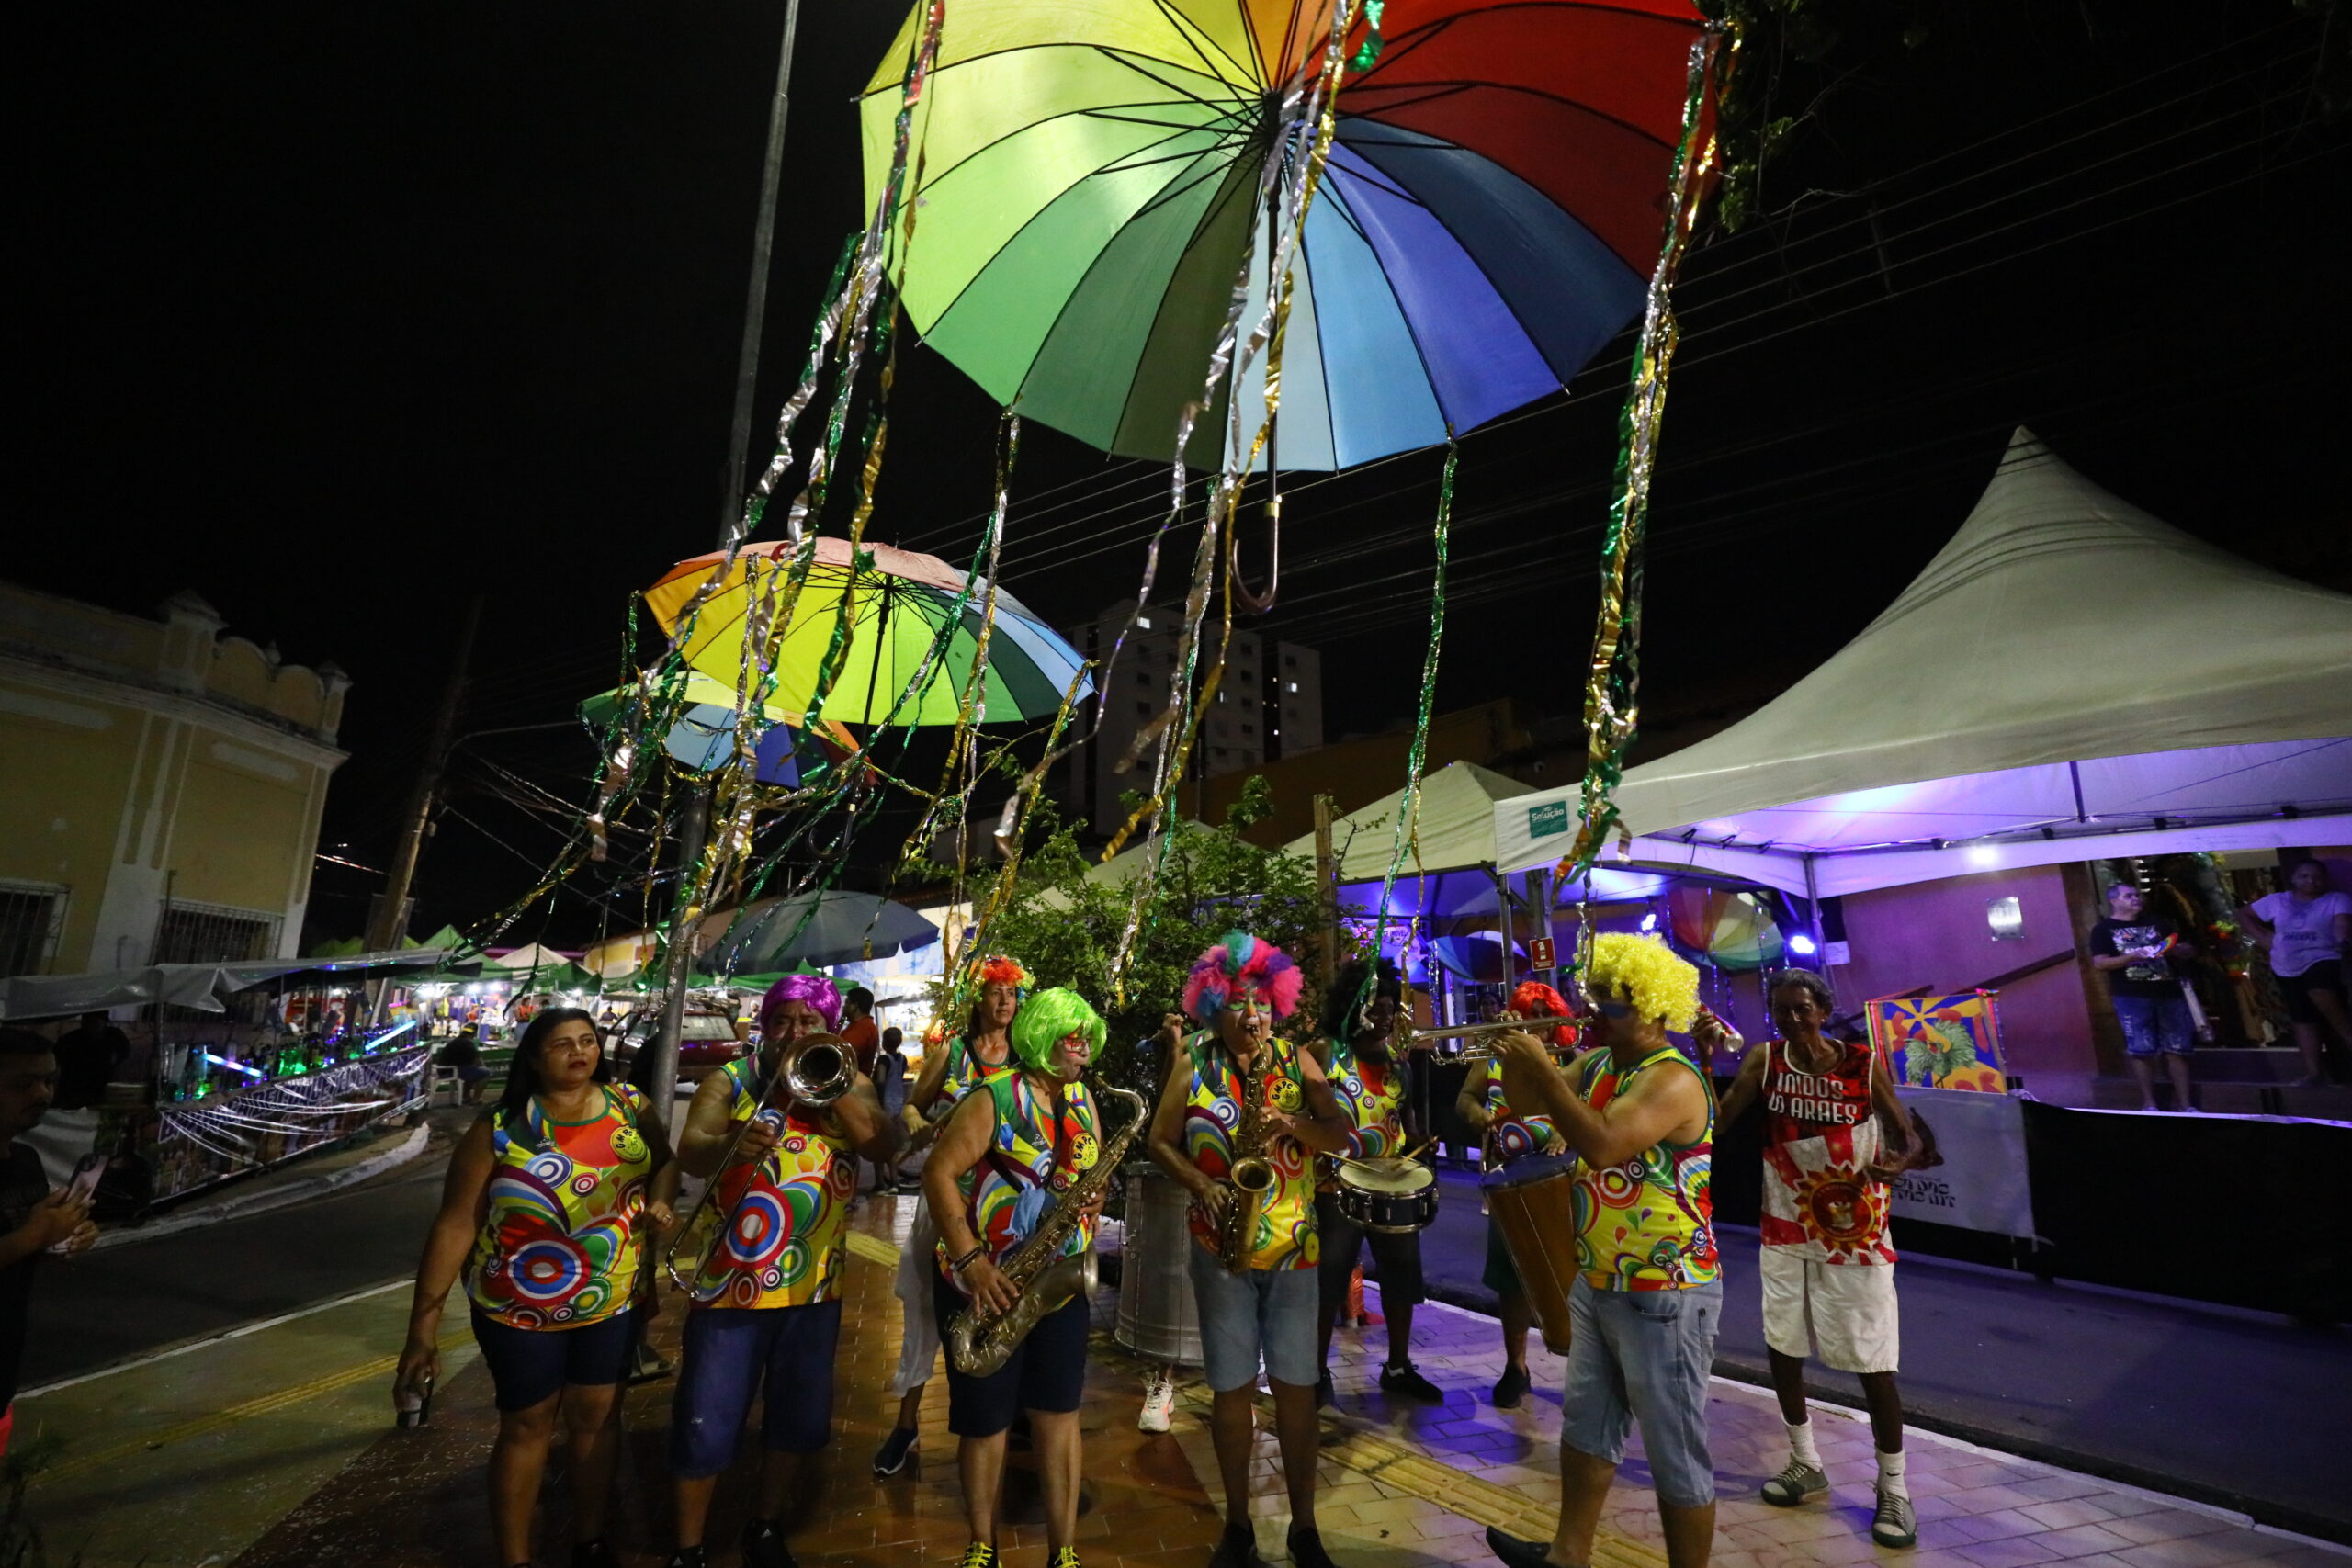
column 1252, row 1176
column 980, row 1342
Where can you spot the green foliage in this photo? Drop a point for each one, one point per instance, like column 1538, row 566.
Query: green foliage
column 1066, row 928
column 1947, row 1049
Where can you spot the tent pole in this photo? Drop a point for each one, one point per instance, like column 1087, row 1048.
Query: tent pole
column 1812, row 907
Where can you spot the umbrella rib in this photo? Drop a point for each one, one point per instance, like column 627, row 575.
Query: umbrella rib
column 1398, row 45
column 1185, row 25
column 1451, row 88
column 1340, row 201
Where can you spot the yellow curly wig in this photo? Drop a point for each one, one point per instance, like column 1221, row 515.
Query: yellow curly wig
column 1659, row 985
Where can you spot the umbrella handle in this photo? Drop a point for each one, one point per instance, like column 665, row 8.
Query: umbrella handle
column 1259, row 603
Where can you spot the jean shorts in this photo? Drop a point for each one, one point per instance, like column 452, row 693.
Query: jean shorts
column 528, row 1366
column 783, row 1354
column 1267, row 1313
column 2153, row 1024
column 1645, row 1355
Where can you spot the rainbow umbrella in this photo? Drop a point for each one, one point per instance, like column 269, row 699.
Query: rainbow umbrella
column 703, row 735
column 895, row 605
column 1735, row 931
column 1487, row 221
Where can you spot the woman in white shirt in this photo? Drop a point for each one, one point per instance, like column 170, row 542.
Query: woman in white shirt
column 2306, row 929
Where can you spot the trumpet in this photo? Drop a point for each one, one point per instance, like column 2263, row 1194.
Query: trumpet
column 1482, row 1046
column 818, row 1073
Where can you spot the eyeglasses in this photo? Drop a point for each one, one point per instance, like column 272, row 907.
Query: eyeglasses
column 1613, row 1010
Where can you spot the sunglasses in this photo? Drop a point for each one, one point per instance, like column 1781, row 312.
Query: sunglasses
column 1613, row 1010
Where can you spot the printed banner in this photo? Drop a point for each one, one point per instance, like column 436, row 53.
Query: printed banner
column 1975, row 1171
column 1939, row 1041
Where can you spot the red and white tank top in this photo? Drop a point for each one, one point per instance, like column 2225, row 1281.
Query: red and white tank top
column 1820, row 1139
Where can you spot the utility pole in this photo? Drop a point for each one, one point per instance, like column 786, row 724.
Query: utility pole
column 694, row 825
column 391, row 922
column 1325, row 879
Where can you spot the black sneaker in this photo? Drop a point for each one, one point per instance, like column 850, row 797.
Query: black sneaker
column 1323, row 1392
column 1517, row 1554
column 1510, row 1388
column 596, row 1554
column 765, row 1546
column 1307, row 1549
column 689, row 1557
column 1236, row 1548
column 896, row 1450
column 1402, row 1377
column 979, row 1555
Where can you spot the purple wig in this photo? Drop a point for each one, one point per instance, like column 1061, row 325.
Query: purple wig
column 1241, row 961
column 817, row 990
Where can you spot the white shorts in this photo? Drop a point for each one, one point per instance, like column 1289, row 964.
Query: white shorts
column 1847, row 1310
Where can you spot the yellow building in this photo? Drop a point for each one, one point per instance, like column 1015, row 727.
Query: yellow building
column 160, row 786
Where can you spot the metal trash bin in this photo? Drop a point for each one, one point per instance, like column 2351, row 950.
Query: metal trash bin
column 1158, row 1319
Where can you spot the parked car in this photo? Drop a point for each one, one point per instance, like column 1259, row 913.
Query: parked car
column 707, row 1042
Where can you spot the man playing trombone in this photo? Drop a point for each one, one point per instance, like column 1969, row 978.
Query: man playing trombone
column 1018, row 1146
column 778, row 1136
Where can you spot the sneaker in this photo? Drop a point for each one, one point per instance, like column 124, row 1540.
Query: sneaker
column 596, row 1554
column 1402, row 1377
column 765, row 1546
column 979, row 1555
column 688, row 1557
column 908, row 1189
column 1236, row 1548
column 1510, row 1388
column 1894, row 1524
column 1323, row 1392
column 1159, row 1404
column 1307, row 1549
column 1796, row 1481
column 896, row 1449
column 1517, row 1554
column 1065, row 1558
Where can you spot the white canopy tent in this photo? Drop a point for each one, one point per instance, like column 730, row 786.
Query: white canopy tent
column 2069, row 678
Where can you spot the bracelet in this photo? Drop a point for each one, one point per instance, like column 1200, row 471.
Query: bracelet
column 957, row 1265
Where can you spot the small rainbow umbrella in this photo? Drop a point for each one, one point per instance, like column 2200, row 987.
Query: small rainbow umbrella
column 1488, row 218
column 1735, row 931
column 894, row 605
column 703, row 735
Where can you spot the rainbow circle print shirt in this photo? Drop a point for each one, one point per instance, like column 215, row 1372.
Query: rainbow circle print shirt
column 1035, row 1156
column 1647, row 1223
column 782, row 1247
column 560, row 1244
column 1285, row 1236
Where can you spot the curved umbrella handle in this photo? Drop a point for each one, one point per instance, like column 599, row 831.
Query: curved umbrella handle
column 1259, row 603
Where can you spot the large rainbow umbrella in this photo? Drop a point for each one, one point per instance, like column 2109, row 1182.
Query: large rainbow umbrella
column 896, row 605
column 1491, row 211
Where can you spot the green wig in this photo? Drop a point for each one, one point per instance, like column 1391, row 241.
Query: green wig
column 1049, row 1017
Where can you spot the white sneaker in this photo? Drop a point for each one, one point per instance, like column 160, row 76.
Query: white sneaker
column 1159, row 1404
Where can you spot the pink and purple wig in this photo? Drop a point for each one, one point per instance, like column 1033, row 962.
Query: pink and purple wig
column 1241, row 962
column 817, row 990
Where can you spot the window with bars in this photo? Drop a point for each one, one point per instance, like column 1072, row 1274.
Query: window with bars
column 200, row 933
column 32, row 914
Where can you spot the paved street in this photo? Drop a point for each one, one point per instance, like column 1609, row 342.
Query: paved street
column 273, row 1446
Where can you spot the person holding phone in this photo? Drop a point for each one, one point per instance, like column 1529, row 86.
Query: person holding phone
column 34, row 1221
column 546, row 1215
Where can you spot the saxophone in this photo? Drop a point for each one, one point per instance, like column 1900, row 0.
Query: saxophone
column 1253, row 1177
column 979, row 1341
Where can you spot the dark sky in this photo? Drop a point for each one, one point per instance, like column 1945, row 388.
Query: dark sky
column 342, row 316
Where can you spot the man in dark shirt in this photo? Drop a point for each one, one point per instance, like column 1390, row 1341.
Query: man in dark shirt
column 87, row 1060
column 2136, row 954
column 32, row 1218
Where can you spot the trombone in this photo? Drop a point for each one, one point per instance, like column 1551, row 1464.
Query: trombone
column 1482, row 1045
column 819, row 1072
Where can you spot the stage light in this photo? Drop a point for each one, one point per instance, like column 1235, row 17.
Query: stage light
column 1801, row 945
column 1649, row 921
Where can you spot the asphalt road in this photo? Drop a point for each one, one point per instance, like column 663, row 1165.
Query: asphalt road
column 2246, row 1410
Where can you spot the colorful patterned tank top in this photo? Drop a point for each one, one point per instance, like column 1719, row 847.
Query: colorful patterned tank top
column 783, row 1248
column 559, row 1246
column 1037, row 1156
column 1647, row 1225
column 1285, row 1236
column 1512, row 1135
column 965, row 1070
column 1373, row 1095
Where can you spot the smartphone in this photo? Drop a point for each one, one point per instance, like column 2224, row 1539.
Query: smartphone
column 83, row 1185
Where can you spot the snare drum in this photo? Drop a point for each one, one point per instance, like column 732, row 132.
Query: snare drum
column 1533, row 1204
column 1392, row 1196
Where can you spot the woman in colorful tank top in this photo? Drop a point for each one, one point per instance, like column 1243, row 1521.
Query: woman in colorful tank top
column 546, row 1215
column 1231, row 1074
column 950, row 1070
column 1648, row 1298
column 1506, row 1135
column 1009, row 1154
column 1359, row 1020
column 1835, row 1134
column 767, row 1307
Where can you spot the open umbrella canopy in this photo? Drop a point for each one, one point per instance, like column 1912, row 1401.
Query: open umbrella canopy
column 1486, row 221
column 817, row 928
column 896, row 603
column 704, row 733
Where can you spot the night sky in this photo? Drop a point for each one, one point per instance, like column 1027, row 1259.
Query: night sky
column 344, row 316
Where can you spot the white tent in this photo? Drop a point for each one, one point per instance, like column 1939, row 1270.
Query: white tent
column 2069, row 678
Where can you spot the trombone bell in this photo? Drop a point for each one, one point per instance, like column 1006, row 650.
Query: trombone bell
column 1481, row 1046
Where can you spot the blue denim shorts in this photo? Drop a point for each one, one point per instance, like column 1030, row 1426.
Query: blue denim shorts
column 2153, row 1025
column 1267, row 1313
column 1645, row 1355
column 728, row 1353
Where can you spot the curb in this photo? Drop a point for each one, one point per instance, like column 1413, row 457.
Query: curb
column 407, row 1149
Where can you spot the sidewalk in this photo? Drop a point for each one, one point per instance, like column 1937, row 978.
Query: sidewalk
column 273, row 1449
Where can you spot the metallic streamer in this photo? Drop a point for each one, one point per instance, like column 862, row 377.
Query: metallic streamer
column 1408, row 814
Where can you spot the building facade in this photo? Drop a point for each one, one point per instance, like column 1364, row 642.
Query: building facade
column 161, row 786
column 1269, row 705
